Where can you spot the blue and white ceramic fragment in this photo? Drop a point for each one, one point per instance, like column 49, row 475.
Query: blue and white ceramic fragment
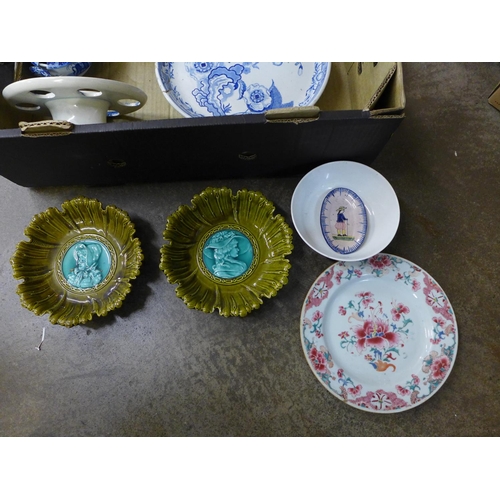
column 198, row 89
column 59, row 68
column 343, row 220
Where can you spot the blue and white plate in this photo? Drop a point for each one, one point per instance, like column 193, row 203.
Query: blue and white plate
column 198, row 89
column 59, row 68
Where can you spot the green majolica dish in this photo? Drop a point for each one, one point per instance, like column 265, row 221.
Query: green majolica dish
column 78, row 262
column 226, row 251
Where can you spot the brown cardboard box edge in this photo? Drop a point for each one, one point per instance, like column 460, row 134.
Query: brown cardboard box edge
column 351, row 86
column 157, row 146
column 494, row 98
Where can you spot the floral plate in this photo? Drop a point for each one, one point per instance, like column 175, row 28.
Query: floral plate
column 226, row 251
column 198, row 89
column 78, row 262
column 380, row 334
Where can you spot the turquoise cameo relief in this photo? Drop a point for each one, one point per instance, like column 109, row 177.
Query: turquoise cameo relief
column 228, row 253
column 86, row 262
column 343, row 220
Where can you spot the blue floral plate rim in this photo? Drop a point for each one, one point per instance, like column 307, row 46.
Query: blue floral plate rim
column 201, row 89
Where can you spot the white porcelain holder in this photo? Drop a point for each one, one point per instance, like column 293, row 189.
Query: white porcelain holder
column 77, row 99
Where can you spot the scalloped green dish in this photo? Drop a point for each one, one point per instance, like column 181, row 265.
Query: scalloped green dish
column 78, row 262
column 226, row 251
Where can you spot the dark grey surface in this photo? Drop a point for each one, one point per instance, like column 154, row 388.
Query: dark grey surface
column 156, row 368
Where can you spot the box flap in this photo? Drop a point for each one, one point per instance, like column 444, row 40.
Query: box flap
column 360, row 86
column 494, row 98
column 368, row 81
column 392, row 101
column 295, row 114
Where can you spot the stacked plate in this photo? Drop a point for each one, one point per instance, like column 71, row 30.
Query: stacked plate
column 377, row 331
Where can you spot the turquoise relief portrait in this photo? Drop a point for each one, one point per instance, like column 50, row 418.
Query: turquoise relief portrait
column 86, row 264
column 228, row 254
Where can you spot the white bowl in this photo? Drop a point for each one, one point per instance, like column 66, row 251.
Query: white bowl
column 377, row 195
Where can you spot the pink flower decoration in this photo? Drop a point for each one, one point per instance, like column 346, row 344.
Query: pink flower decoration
column 355, row 390
column 402, row 390
column 374, row 334
column 318, row 360
column 399, row 276
column 380, row 261
column 440, row 367
column 415, row 379
column 398, row 311
column 415, row 286
column 366, row 302
column 435, row 298
column 342, row 310
column 367, row 298
column 317, row 315
column 338, row 276
column 343, row 335
column 340, row 373
column 439, row 321
column 319, row 292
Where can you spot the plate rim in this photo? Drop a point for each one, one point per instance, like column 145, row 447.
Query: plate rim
column 166, row 92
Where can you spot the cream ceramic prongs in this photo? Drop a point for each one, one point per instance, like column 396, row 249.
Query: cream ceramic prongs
column 77, row 99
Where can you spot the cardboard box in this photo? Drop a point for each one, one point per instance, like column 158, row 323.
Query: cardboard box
column 361, row 107
column 494, row 98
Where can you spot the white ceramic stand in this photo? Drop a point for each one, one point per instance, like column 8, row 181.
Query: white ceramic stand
column 76, row 99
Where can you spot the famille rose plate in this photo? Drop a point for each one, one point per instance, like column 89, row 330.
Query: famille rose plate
column 197, row 89
column 379, row 334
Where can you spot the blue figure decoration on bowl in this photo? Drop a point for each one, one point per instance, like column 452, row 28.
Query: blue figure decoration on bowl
column 341, row 223
column 343, row 220
column 198, row 89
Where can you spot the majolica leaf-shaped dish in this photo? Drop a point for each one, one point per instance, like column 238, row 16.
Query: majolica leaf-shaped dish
column 78, row 262
column 226, row 251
